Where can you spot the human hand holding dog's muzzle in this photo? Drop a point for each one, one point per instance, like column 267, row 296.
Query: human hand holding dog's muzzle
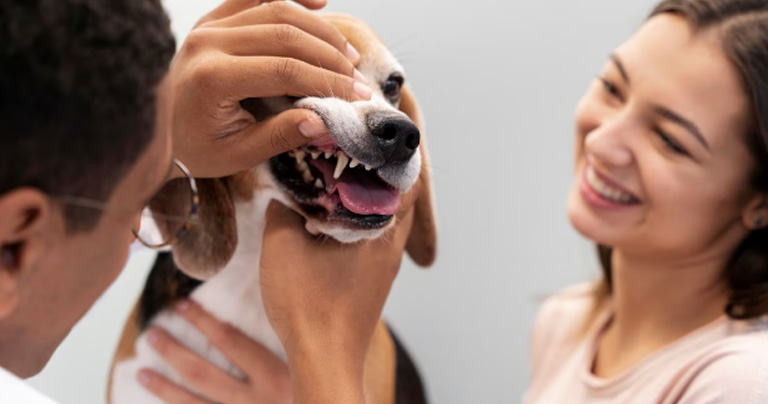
column 324, row 299
column 245, row 50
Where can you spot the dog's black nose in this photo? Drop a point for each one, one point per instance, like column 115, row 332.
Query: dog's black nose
column 397, row 139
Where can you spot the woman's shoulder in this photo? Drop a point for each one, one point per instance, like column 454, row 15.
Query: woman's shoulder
column 734, row 369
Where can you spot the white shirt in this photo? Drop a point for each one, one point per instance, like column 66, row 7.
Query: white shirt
column 14, row 391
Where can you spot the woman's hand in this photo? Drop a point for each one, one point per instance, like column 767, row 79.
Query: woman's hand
column 246, row 49
column 267, row 379
column 324, row 300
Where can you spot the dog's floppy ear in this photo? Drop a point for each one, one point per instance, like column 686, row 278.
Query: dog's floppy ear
column 422, row 242
column 210, row 243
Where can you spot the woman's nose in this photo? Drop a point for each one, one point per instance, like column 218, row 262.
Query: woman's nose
column 610, row 143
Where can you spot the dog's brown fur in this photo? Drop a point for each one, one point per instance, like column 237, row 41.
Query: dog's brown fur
column 207, row 249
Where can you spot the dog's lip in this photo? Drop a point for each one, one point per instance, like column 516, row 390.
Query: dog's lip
column 343, row 217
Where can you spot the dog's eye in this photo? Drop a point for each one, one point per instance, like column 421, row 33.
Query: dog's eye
column 393, row 86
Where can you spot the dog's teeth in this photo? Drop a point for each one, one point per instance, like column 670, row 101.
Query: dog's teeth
column 319, row 183
column 341, row 164
column 299, row 155
column 328, row 154
column 354, row 163
column 368, row 168
column 307, row 175
column 315, row 155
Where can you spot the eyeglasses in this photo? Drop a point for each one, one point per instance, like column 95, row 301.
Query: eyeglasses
column 167, row 217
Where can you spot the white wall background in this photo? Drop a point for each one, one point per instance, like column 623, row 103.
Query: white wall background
column 498, row 81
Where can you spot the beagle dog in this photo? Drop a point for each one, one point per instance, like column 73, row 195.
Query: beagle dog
column 355, row 184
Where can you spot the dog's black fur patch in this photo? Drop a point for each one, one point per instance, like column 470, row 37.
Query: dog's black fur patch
column 165, row 285
column 409, row 389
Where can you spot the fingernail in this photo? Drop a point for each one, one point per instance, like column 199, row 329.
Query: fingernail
column 144, row 378
column 182, row 306
column 312, row 128
column 363, row 91
column 152, row 337
column 359, row 77
column 352, row 53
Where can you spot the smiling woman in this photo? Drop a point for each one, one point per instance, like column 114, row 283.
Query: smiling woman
column 672, row 183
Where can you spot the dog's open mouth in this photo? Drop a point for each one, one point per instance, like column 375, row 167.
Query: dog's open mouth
column 330, row 185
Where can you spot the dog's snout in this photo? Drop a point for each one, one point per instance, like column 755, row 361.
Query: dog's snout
column 397, row 139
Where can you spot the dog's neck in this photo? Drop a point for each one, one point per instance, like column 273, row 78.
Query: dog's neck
column 237, row 285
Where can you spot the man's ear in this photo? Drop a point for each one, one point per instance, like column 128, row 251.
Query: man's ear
column 755, row 215
column 23, row 215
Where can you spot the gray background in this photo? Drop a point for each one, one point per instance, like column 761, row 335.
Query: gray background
column 498, row 82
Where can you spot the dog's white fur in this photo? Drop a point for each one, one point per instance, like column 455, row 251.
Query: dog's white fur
column 234, row 295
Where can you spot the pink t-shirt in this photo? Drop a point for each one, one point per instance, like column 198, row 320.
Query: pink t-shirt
column 724, row 362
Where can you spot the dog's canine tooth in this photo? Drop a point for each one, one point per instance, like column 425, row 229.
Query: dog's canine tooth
column 328, row 155
column 307, row 175
column 315, row 155
column 341, row 164
column 368, row 168
column 354, row 163
column 319, row 183
column 300, row 155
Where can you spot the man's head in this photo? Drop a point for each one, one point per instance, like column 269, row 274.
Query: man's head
column 85, row 113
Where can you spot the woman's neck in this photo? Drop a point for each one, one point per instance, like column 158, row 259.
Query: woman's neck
column 656, row 302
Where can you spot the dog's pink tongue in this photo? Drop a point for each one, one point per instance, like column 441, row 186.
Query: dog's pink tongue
column 359, row 192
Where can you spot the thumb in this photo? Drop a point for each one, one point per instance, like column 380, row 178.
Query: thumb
column 282, row 219
column 279, row 134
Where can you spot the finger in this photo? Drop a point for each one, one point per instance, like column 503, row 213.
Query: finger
column 166, row 390
column 265, row 76
column 227, row 9
column 258, row 362
column 312, row 4
column 281, row 133
column 280, row 12
column 282, row 40
column 209, row 379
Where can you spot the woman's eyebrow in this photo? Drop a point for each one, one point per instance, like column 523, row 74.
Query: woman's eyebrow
column 687, row 124
column 620, row 66
column 664, row 111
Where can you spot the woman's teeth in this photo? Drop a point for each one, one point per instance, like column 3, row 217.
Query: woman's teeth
column 605, row 190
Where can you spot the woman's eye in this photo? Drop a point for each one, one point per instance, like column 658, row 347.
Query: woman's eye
column 671, row 144
column 611, row 88
column 393, row 86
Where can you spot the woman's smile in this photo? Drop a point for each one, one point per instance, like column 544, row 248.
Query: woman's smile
column 600, row 192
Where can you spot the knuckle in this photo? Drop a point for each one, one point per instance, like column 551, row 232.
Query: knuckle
column 286, row 35
column 195, row 375
column 194, row 40
column 287, row 70
column 279, row 9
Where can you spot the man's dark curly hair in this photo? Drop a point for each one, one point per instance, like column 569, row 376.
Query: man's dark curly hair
column 77, row 94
